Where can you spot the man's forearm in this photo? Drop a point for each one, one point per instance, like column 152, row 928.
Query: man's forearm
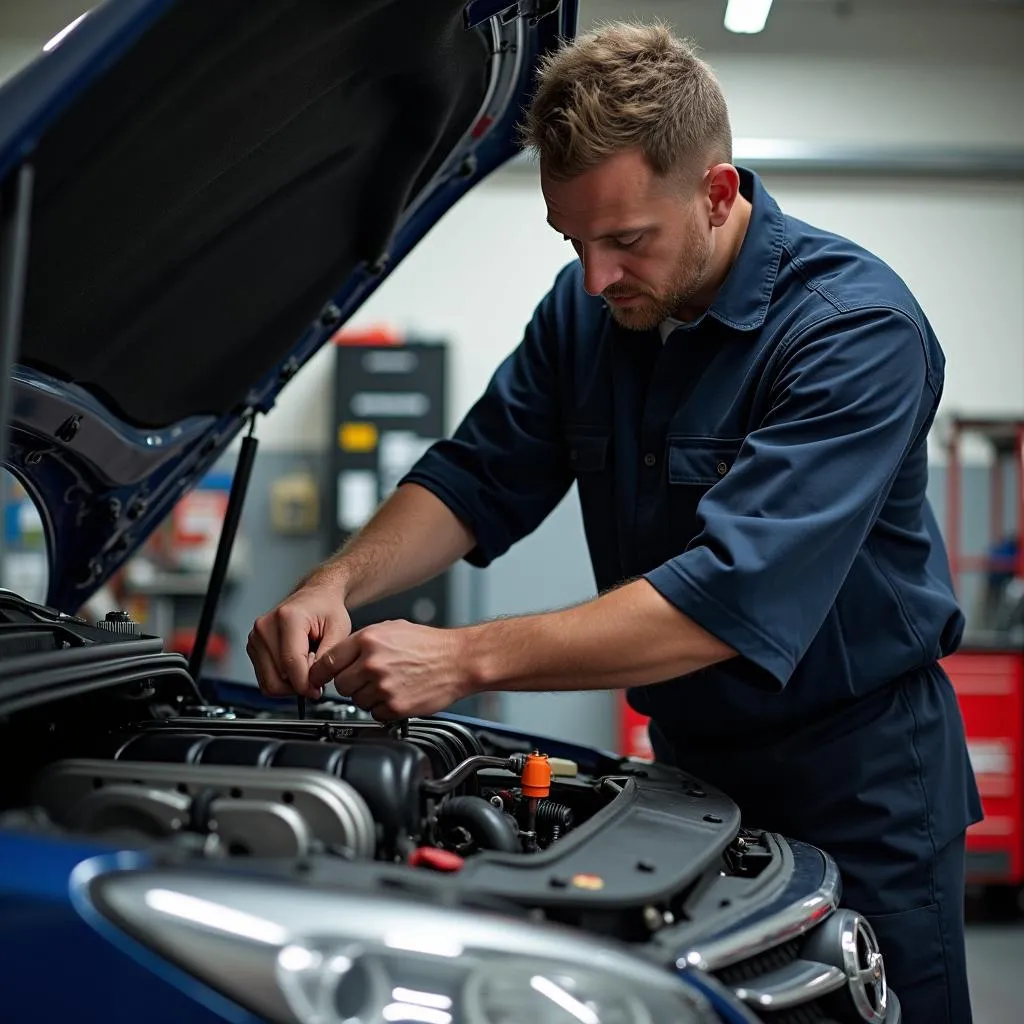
column 411, row 538
column 628, row 637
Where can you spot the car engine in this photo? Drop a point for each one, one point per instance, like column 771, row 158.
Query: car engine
column 108, row 741
column 422, row 793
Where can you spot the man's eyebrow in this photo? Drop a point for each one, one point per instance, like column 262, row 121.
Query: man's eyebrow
column 629, row 232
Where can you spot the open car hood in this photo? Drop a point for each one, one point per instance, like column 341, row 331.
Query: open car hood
column 210, row 191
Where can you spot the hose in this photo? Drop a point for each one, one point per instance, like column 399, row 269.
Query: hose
column 553, row 819
column 488, row 826
column 448, row 782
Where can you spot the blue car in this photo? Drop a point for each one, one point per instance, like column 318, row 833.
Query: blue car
column 194, row 196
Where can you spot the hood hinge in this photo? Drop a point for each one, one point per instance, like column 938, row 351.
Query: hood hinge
column 478, row 11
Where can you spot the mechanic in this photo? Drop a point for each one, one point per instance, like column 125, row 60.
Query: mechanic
column 743, row 401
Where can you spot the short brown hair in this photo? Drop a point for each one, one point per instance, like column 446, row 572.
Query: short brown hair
column 623, row 86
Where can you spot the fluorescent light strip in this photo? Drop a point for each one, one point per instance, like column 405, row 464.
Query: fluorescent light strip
column 747, row 16
column 53, row 43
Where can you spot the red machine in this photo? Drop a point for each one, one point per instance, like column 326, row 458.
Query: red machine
column 988, row 671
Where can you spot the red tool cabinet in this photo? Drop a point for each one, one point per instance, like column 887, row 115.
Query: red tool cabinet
column 990, row 689
column 988, row 671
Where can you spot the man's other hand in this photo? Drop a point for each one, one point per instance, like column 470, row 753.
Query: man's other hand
column 395, row 669
column 282, row 643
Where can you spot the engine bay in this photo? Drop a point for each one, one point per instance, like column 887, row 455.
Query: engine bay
column 270, row 787
column 115, row 744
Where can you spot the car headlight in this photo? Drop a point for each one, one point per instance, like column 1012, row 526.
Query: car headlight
column 315, row 956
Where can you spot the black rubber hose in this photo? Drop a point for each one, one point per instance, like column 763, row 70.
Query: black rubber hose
column 551, row 814
column 487, row 825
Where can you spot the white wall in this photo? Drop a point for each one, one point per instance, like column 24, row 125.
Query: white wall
column 960, row 247
column 14, row 53
column 888, row 72
column 477, row 277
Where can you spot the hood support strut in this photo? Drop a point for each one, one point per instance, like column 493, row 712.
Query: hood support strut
column 15, row 207
column 228, row 532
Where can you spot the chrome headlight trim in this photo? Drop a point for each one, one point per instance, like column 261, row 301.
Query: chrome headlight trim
column 299, row 955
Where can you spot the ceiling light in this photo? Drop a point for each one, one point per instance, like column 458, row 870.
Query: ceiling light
column 53, row 43
column 747, row 16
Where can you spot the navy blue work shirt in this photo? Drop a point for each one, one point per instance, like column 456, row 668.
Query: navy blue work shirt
column 765, row 469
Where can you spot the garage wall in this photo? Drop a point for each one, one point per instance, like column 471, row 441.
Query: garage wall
column 14, row 53
column 890, row 73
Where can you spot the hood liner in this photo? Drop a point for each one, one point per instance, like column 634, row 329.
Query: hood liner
column 219, row 187
column 195, row 207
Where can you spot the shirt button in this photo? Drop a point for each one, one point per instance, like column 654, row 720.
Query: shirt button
column 722, row 469
column 650, row 459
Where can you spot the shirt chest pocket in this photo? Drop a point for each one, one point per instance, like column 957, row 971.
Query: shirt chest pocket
column 695, row 465
column 588, row 453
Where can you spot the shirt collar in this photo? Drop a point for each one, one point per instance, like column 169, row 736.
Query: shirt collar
column 742, row 301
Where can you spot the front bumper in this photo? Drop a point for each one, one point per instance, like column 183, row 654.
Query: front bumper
column 797, row 955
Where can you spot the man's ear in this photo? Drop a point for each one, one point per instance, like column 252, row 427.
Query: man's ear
column 722, row 183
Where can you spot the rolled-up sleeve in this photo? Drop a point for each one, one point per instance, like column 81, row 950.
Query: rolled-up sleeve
column 504, row 469
column 777, row 535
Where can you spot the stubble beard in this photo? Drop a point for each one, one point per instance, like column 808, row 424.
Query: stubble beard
column 691, row 273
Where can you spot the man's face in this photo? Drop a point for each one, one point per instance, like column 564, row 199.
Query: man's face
column 645, row 242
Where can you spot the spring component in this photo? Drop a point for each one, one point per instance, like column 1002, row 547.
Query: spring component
column 553, row 820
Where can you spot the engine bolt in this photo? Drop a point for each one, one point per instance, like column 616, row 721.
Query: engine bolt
column 653, row 918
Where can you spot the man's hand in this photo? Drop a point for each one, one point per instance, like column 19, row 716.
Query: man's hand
column 395, row 669
column 282, row 643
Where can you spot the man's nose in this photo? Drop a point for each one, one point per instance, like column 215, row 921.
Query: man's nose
column 600, row 271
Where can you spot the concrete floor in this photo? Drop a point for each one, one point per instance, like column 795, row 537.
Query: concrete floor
column 995, row 961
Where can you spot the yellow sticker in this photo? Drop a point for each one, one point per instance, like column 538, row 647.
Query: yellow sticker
column 591, row 882
column 357, row 437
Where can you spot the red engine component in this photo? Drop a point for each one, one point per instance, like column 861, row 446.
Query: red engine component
column 435, row 859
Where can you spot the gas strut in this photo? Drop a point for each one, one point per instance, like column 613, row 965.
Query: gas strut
column 232, row 517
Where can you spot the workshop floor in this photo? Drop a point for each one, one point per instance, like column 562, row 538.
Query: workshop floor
column 995, row 960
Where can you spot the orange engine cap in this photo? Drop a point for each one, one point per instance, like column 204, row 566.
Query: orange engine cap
column 536, row 782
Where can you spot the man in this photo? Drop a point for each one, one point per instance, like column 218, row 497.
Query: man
column 743, row 401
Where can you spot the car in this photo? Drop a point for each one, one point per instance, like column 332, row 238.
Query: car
column 195, row 197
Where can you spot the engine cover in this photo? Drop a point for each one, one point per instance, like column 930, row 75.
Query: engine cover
column 249, row 810
column 385, row 773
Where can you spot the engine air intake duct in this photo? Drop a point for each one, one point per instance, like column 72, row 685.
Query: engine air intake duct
column 489, row 828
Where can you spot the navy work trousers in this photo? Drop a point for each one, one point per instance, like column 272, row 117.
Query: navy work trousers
column 886, row 789
column 923, row 947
